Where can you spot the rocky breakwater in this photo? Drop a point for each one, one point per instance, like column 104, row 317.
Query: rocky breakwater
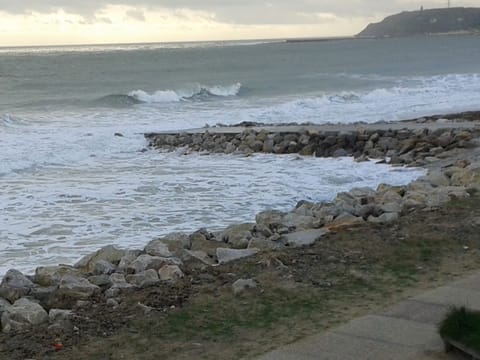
column 415, row 147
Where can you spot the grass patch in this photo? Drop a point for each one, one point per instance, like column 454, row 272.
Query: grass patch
column 462, row 325
column 213, row 319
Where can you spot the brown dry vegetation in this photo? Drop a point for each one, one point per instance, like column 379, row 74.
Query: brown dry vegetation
column 300, row 292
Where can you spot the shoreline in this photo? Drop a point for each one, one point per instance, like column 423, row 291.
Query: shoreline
column 447, row 146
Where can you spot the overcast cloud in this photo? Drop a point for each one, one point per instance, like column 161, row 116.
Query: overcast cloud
column 49, row 22
column 236, row 12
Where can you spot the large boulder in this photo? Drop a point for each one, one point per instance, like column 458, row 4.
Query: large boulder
column 196, row 259
column 176, row 242
column 119, row 284
column 345, row 221
column 299, row 222
column 384, row 218
column 22, row 315
column 238, row 236
column 225, row 255
column 127, row 259
column 303, row 238
column 70, row 290
column 170, row 273
column 146, row 262
column 468, row 177
column 51, row 275
column 108, row 253
column 143, row 279
column 14, row 285
column 4, row 306
column 103, row 267
column 201, row 243
column 158, row 248
column 271, row 219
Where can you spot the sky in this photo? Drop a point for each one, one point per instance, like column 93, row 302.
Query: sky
column 55, row 22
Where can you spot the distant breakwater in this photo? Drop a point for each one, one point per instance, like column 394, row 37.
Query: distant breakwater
column 415, row 146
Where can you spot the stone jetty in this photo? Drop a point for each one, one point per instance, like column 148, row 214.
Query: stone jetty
column 410, row 143
column 447, row 148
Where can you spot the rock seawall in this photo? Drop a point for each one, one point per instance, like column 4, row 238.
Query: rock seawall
column 414, row 147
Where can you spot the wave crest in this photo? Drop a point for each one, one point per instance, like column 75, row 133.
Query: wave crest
column 197, row 92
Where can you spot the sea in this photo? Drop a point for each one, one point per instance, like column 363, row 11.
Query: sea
column 69, row 186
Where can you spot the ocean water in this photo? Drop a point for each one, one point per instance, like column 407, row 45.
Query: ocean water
column 69, row 186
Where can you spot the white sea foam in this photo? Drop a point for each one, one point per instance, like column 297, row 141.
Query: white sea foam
column 59, row 212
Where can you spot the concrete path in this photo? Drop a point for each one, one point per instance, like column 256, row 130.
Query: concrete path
column 407, row 330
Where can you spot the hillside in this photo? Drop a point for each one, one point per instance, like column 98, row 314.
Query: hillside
column 434, row 21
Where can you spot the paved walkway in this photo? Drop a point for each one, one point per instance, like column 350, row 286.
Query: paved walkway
column 407, row 330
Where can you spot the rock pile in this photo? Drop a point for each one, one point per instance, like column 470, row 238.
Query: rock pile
column 405, row 146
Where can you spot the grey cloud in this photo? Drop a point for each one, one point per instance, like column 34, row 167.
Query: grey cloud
column 136, row 15
column 237, row 12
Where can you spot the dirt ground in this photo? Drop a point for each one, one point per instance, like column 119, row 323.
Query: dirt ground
column 300, row 292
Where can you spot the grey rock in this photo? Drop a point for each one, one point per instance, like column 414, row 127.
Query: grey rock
column 225, row 255
column 201, row 243
column 340, row 153
column 72, row 289
column 262, row 231
column 109, row 253
column 118, row 279
column 127, row 259
column 119, row 284
column 14, row 285
column 391, row 207
column 158, row 248
column 101, row 280
column 143, row 279
column 304, row 208
column 43, row 294
column 304, row 238
column 238, row 235
column 436, row 179
column 51, row 275
column 103, row 267
column 324, row 211
column 271, row 243
column 242, row 285
column 384, row 218
column 146, row 262
column 170, row 273
column 4, row 306
column 295, row 221
column 22, row 315
column 346, row 220
column 176, row 241
column 59, row 315
column 197, row 258
column 112, row 303
column 270, row 218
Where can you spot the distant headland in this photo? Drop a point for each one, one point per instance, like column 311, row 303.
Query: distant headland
column 457, row 20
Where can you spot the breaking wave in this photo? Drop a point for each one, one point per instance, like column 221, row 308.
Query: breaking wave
column 197, row 92
column 194, row 93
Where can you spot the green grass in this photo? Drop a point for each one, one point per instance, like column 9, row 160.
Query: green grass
column 462, row 325
column 220, row 319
